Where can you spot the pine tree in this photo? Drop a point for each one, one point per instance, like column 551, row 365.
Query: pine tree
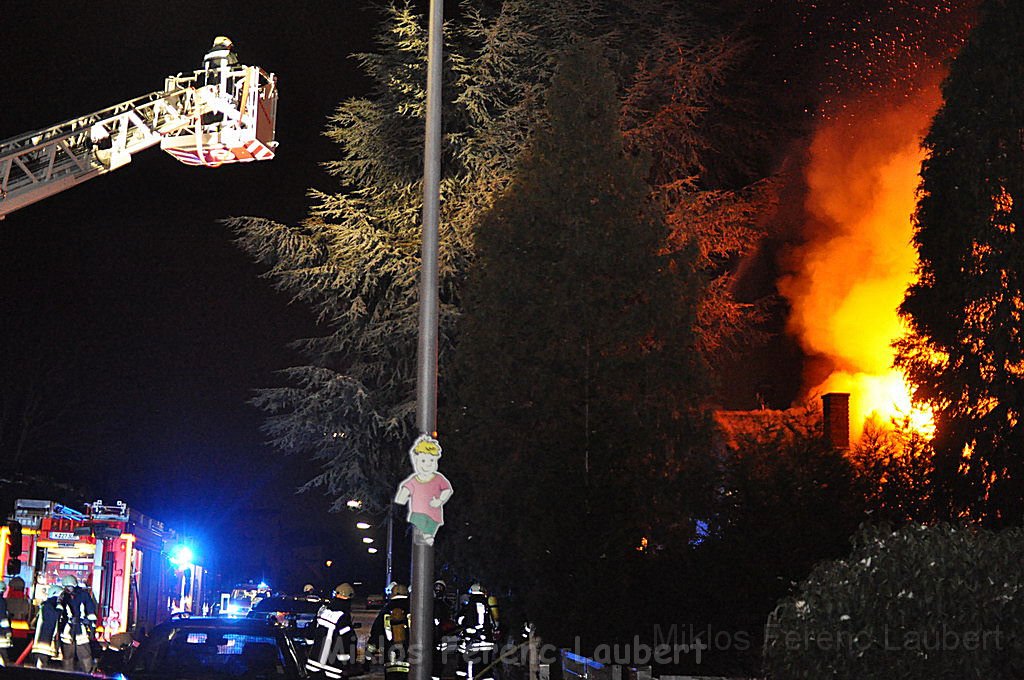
column 965, row 348
column 576, row 371
column 682, row 107
column 355, row 259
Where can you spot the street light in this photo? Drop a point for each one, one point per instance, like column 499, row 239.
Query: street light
column 371, row 550
column 362, row 525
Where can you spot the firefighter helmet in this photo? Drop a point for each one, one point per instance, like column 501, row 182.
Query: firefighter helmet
column 440, row 587
column 344, row 591
column 308, row 588
column 69, row 581
column 399, row 590
column 54, row 591
column 222, row 41
column 476, row 589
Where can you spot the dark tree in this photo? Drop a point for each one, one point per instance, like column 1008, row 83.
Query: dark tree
column 789, row 499
column 965, row 348
column 355, row 259
column 894, row 466
column 577, row 381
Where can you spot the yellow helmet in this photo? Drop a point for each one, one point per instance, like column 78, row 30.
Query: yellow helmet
column 344, row 591
column 223, row 41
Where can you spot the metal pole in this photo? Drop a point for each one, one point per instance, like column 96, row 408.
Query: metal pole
column 387, row 573
column 422, row 632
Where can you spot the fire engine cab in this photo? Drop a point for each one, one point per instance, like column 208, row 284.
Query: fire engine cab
column 130, row 562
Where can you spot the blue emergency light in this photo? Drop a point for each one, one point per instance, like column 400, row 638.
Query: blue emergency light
column 182, row 556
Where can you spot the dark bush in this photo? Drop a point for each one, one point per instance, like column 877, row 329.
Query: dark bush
column 926, row 602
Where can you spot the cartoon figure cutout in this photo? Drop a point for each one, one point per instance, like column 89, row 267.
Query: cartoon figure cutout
column 426, row 490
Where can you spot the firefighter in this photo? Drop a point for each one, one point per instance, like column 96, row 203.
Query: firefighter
column 218, row 59
column 220, row 54
column 5, row 627
column 78, row 623
column 444, row 626
column 44, row 643
column 442, row 612
column 310, row 594
column 476, row 635
column 19, row 612
column 390, row 634
column 333, row 653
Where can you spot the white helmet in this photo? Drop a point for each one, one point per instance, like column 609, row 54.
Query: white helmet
column 69, row 581
column 54, row 591
column 476, row 589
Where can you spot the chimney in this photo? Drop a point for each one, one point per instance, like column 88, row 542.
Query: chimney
column 836, row 408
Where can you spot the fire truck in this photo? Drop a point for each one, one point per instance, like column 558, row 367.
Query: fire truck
column 139, row 570
column 208, row 117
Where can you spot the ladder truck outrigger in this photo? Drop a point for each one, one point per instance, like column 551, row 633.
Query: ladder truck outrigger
column 210, row 117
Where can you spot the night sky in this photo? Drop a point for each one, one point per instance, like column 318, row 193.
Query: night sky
column 125, row 296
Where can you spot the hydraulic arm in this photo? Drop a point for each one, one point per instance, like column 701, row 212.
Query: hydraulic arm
column 212, row 117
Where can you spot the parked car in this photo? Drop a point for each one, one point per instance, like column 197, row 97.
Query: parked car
column 297, row 615
column 201, row 648
column 375, row 601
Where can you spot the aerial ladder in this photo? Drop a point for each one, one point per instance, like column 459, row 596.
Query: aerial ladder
column 210, row 117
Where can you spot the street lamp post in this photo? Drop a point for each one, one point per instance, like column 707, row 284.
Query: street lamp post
column 387, row 569
column 426, row 362
column 389, row 523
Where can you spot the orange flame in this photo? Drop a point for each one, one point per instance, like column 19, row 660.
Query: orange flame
column 851, row 274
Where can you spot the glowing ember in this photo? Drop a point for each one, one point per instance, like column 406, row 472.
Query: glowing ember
column 851, row 274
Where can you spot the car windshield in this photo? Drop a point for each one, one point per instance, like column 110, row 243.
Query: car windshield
column 211, row 653
column 282, row 604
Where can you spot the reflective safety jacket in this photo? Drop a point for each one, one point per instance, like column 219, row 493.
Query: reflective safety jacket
column 47, row 620
column 77, row 615
column 334, row 640
column 476, row 625
column 390, row 633
column 219, row 57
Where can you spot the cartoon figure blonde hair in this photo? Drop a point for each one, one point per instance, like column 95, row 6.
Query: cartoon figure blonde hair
column 426, row 444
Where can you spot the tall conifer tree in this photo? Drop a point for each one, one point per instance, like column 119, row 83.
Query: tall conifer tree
column 355, row 259
column 576, row 367
column 965, row 351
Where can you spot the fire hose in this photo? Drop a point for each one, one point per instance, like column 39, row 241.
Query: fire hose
column 504, row 655
column 24, row 654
